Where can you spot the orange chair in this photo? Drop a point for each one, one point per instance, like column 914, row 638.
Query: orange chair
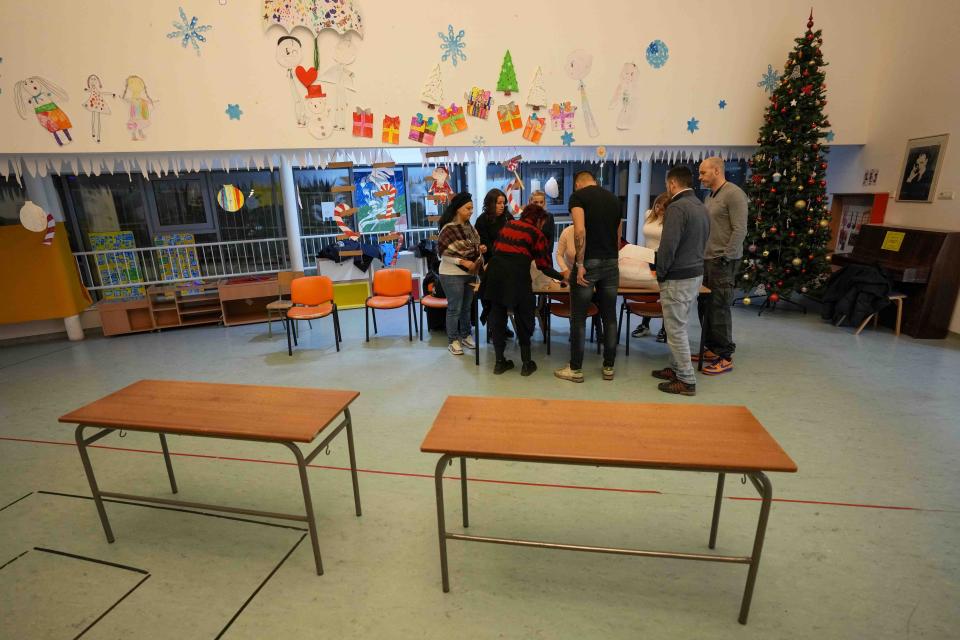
column 392, row 289
column 560, row 307
column 638, row 305
column 430, row 301
column 312, row 298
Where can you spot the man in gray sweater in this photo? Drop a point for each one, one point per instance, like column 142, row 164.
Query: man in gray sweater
column 727, row 206
column 680, row 272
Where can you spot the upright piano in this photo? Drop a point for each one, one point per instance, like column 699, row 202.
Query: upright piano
column 924, row 264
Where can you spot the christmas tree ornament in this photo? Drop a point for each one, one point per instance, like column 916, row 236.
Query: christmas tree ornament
column 752, row 248
column 800, row 204
column 796, row 262
column 747, row 302
column 776, row 176
column 774, row 297
column 824, row 223
column 766, row 254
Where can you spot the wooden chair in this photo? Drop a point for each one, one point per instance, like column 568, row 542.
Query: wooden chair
column 897, row 299
column 312, row 298
column 392, row 289
column 560, row 307
column 281, row 305
column 638, row 305
column 430, row 301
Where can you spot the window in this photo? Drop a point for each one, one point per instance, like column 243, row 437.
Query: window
column 536, row 176
column 735, row 170
column 417, row 189
column 12, row 197
column 314, row 187
column 104, row 204
column 257, row 194
column 181, row 204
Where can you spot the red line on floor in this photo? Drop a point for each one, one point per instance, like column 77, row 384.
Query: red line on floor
column 428, row 475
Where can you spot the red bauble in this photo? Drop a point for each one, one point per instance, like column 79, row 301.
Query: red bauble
column 783, row 110
column 774, row 297
column 823, row 165
column 811, row 181
column 773, row 229
column 779, row 283
column 773, row 189
column 823, row 183
column 793, row 235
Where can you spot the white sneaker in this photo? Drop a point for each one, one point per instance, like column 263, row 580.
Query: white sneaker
column 566, row 373
column 640, row 331
column 455, row 348
column 468, row 342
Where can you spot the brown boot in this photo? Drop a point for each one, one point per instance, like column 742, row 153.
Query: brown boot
column 679, row 387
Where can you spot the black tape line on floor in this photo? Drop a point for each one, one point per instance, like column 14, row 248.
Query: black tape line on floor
column 177, row 509
column 112, row 607
column 16, row 501
column 89, row 559
column 11, row 561
column 257, row 590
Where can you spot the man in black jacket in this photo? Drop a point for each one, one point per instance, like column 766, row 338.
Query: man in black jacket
column 686, row 227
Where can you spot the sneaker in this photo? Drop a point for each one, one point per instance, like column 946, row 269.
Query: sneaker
column 679, row 387
column 608, row 373
column 573, row 375
column 528, row 368
column 708, row 356
column 667, row 374
column 468, row 342
column 508, row 333
column 455, row 348
column 640, row 331
column 662, row 336
column 501, row 366
column 720, row 366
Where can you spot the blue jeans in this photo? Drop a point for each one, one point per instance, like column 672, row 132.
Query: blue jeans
column 459, row 294
column 604, row 276
column 676, row 299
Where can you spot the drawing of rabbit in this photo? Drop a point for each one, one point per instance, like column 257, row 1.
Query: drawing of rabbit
column 38, row 94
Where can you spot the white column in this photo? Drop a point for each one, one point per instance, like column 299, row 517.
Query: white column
column 632, row 187
column 642, row 198
column 477, row 181
column 290, row 209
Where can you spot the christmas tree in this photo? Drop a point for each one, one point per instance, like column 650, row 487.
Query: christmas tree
column 537, row 95
column 789, row 226
column 508, row 77
column 432, row 92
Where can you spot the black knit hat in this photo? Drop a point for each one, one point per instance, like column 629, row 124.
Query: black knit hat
column 458, row 201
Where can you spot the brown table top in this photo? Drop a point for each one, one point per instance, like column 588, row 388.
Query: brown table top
column 206, row 409
column 629, row 434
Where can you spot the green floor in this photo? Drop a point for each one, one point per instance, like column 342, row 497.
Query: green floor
column 863, row 545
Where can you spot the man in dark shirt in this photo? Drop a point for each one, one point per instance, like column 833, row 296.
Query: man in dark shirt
column 596, row 215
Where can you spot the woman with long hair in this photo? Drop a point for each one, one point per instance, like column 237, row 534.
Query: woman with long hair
column 652, row 231
column 461, row 256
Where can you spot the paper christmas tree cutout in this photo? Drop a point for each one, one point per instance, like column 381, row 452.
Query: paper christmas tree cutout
column 508, row 77
column 432, row 92
column 537, row 96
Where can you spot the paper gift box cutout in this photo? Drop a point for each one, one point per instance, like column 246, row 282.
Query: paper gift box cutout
column 561, row 116
column 391, row 129
column 509, row 117
column 479, row 103
column 423, row 130
column 362, row 123
column 430, row 130
column 452, row 120
column 534, row 129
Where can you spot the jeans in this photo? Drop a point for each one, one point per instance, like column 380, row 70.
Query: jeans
column 676, row 298
column 604, row 274
column 459, row 292
column 720, row 279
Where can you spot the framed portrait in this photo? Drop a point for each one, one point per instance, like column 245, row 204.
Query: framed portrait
column 921, row 168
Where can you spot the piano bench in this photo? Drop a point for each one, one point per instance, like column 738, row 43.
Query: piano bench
column 897, row 299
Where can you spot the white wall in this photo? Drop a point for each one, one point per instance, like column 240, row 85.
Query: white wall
column 917, row 95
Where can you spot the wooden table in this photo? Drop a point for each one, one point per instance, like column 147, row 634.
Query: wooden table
column 683, row 437
column 279, row 415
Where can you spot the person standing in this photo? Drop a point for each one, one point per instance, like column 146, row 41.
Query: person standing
column 727, row 207
column 539, row 197
column 596, row 215
column 652, row 230
column 686, row 227
column 489, row 223
column 461, row 255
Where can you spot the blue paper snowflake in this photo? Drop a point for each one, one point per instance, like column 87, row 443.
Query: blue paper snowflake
column 657, row 54
column 829, row 136
column 693, row 124
column 189, row 32
column 567, row 138
column 452, row 45
column 770, row 80
column 722, row 104
column 233, row 110
column 479, row 141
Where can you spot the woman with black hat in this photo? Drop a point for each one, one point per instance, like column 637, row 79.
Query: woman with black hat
column 461, row 256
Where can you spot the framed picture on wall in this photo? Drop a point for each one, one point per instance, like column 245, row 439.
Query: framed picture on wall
column 921, row 167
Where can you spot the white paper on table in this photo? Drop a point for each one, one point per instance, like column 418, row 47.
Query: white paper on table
column 326, row 210
column 636, row 252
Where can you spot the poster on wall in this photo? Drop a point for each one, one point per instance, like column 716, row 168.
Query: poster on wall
column 852, row 217
column 180, row 263
column 119, row 266
column 381, row 213
column 921, row 168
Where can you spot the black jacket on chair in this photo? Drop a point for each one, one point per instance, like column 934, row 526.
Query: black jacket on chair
column 854, row 293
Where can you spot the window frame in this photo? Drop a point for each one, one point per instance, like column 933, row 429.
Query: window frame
column 210, row 226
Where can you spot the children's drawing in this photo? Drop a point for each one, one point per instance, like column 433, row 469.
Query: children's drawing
column 452, row 120
column 479, row 103
column 508, row 115
column 423, row 129
column 289, row 52
column 537, row 95
column 440, row 187
column 508, row 76
column 381, row 213
column 38, row 94
column 141, row 107
column 96, row 104
column 579, row 63
column 432, row 92
column 362, row 123
column 189, row 31
column 625, row 96
column 452, row 45
column 319, row 114
column 534, row 129
column 391, row 130
column 342, row 78
column 341, row 16
column 561, row 116
column 230, row 198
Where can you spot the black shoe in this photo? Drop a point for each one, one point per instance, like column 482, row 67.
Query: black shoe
column 501, row 366
column 509, row 333
column 528, row 368
column 662, row 336
column 679, row 387
column 664, row 374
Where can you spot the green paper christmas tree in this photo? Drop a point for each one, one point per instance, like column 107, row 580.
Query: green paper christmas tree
column 508, row 77
column 789, row 225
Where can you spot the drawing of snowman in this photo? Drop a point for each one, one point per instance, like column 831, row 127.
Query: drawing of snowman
column 319, row 114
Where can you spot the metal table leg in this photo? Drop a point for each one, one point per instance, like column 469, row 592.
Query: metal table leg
column 308, row 504
column 88, row 469
column 463, row 491
column 441, row 526
column 718, row 499
column 765, row 489
column 353, row 460
column 166, row 459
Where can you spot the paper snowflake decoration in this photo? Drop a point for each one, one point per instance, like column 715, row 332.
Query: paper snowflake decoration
column 189, row 32
column 567, row 138
column 233, row 110
column 657, row 54
column 722, row 104
column 693, row 124
column 829, row 136
column 770, row 80
column 452, row 45
column 479, row 141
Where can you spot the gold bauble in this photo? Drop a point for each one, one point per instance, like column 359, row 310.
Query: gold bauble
column 747, row 302
column 824, row 223
column 796, row 262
